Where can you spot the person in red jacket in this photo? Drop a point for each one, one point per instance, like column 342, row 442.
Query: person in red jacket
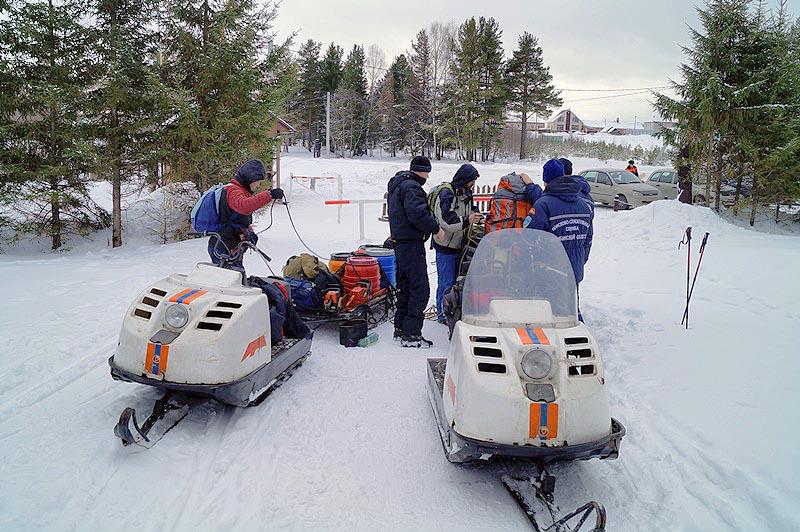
column 632, row 168
column 236, row 207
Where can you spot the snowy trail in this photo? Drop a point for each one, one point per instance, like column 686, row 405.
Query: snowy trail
column 349, row 442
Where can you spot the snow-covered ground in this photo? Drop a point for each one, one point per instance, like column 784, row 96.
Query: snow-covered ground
column 349, row 442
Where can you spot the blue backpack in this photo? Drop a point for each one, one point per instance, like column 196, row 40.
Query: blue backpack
column 305, row 294
column 205, row 213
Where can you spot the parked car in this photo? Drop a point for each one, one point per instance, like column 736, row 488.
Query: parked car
column 666, row 181
column 608, row 183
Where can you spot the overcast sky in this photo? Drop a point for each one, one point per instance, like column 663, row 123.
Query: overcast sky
column 588, row 44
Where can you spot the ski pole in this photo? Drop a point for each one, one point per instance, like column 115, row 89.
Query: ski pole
column 691, row 291
column 687, row 240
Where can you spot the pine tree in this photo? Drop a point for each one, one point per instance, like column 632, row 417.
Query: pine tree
column 121, row 103
column 491, row 89
column 530, row 85
column 220, row 55
column 463, row 103
column 421, row 101
column 47, row 146
column 331, row 73
column 353, row 90
column 309, row 97
column 714, row 85
column 331, row 68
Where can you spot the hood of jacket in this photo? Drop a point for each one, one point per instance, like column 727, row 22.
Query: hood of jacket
column 401, row 176
column 564, row 188
column 585, row 188
column 250, row 172
column 464, row 175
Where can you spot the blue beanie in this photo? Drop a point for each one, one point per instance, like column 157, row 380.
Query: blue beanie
column 420, row 164
column 567, row 164
column 551, row 170
column 250, row 172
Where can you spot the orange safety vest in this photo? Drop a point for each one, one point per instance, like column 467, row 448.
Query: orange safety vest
column 632, row 169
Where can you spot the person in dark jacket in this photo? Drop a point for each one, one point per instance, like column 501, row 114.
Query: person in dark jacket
column 236, row 207
column 410, row 224
column 586, row 189
column 453, row 209
column 564, row 213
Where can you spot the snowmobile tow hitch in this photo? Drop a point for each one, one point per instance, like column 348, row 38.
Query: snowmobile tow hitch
column 535, row 497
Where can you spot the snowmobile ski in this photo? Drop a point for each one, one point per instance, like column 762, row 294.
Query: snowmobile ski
column 535, row 497
column 169, row 410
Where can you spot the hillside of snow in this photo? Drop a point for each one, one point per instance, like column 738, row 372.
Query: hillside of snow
column 350, row 442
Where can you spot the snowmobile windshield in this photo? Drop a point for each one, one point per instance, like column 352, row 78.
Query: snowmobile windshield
column 520, row 277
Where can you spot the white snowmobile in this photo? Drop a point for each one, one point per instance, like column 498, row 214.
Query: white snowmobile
column 203, row 334
column 523, row 377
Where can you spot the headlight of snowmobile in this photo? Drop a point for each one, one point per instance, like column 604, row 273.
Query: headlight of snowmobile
column 537, row 364
column 176, row 316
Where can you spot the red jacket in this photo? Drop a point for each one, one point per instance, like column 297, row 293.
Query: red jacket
column 243, row 201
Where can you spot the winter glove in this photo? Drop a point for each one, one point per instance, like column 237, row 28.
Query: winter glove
column 276, row 193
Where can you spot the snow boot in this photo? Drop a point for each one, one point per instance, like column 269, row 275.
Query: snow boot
column 417, row 342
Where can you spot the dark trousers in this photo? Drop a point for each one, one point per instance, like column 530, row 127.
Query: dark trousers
column 413, row 287
column 215, row 249
column 218, row 249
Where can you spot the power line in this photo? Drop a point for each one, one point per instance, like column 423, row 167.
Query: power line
column 616, row 90
column 607, row 97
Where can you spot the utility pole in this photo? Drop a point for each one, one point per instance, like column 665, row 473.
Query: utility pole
column 328, row 126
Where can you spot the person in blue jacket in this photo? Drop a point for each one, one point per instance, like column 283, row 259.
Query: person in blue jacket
column 410, row 224
column 586, row 190
column 564, row 213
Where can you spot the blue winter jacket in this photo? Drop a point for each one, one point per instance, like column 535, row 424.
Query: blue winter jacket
column 586, row 190
column 564, row 213
column 409, row 216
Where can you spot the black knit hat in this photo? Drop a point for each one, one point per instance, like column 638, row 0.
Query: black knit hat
column 420, row 164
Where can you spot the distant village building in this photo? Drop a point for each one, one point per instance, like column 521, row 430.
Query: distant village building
column 282, row 130
column 566, row 120
column 531, row 126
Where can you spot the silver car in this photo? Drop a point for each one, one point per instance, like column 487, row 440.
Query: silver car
column 608, row 183
column 666, row 181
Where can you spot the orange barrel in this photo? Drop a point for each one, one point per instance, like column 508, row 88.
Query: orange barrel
column 360, row 269
column 386, row 261
column 338, row 260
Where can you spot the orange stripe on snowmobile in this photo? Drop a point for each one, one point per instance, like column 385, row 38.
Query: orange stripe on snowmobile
column 194, row 296
column 187, row 296
column 524, row 337
column 155, row 363
column 254, row 346
column 451, row 389
column 543, row 421
column 179, row 295
column 541, row 336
